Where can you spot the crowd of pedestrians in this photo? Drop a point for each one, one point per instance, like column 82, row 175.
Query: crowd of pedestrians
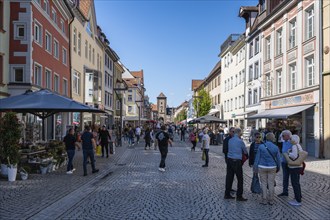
column 265, row 154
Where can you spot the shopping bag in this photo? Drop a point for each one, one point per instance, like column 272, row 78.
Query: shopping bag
column 98, row 150
column 203, row 155
column 255, row 185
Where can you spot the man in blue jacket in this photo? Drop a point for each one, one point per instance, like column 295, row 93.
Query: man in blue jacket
column 286, row 145
column 236, row 148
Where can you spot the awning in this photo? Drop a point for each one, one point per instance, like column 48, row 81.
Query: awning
column 280, row 112
column 213, row 111
column 134, row 118
column 245, row 113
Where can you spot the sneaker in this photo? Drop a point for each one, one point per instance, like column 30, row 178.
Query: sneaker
column 74, row 169
column 241, row 199
column 283, row 194
column 161, row 169
column 69, row 172
column 95, row 171
column 294, row 203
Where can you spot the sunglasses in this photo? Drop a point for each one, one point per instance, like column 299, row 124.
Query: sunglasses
column 258, row 137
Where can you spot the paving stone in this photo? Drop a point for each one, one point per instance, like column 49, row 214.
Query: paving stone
column 129, row 186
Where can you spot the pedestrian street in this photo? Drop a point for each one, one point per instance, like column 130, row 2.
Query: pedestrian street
column 130, row 186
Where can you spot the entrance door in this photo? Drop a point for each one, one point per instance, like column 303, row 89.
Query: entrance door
column 310, row 138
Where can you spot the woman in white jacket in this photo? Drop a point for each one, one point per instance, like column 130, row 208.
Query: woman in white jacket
column 295, row 170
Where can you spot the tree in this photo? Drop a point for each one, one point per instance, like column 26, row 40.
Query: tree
column 202, row 103
column 182, row 115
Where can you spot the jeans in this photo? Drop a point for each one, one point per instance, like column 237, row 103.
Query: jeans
column 182, row 136
column 206, row 156
column 70, row 157
column 147, row 144
column 295, row 182
column 90, row 154
column 267, row 177
column 286, row 174
column 104, row 145
column 137, row 138
column 163, row 153
column 130, row 140
column 234, row 166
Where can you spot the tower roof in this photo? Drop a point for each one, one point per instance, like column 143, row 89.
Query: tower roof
column 161, row 95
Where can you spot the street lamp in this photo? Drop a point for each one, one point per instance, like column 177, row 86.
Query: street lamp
column 120, row 89
column 139, row 107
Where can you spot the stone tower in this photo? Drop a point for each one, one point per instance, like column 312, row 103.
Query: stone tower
column 161, row 106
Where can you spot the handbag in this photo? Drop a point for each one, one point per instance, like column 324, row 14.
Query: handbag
column 203, row 155
column 302, row 155
column 277, row 167
column 255, row 185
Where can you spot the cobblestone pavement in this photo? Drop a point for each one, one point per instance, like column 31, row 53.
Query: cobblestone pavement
column 129, row 186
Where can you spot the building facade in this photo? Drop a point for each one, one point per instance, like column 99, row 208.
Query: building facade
column 161, row 107
column 4, row 47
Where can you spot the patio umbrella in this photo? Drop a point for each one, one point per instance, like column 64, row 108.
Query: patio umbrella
column 43, row 103
column 207, row 119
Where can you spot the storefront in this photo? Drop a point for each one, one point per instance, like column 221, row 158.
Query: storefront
column 299, row 114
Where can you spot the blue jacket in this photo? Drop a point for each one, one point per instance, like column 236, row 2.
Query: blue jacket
column 236, row 148
column 264, row 158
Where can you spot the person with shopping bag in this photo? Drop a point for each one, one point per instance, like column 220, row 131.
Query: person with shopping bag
column 267, row 163
column 255, row 184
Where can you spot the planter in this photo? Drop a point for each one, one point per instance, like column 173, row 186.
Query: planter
column 12, row 172
column 4, row 169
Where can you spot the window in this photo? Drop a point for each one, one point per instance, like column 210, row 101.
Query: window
column 37, row 74
column 19, row 31
column 236, row 80
column 79, row 44
column 63, row 26
column 54, row 15
column 268, row 85
column 37, row 1
column 86, row 49
column 309, row 23
column 56, row 83
column 256, row 46
column 48, row 78
column 118, row 104
column 46, row 6
column 75, row 40
column 56, row 49
column 231, row 82
column 259, row 93
column 279, row 81
column 37, row 33
column 250, row 73
column 110, row 81
column 256, row 70
column 251, row 49
column 279, row 42
column 310, row 76
column 243, row 75
column 93, row 56
column 250, row 97
column 255, row 96
column 130, row 109
column 236, row 103
column 65, row 87
column 292, row 33
column 88, row 28
column 268, row 48
column 225, row 85
column 129, row 98
column 293, row 77
column 90, row 53
column 48, row 42
column 18, row 74
column 76, row 83
column 64, row 56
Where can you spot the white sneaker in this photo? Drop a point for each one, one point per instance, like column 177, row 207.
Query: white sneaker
column 294, row 203
column 161, row 169
column 69, row 172
column 74, row 169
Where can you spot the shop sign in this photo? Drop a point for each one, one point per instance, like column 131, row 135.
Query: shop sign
column 291, row 101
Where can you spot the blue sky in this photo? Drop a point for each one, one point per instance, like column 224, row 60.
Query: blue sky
column 172, row 41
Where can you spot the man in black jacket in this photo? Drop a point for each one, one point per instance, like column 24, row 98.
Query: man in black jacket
column 104, row 138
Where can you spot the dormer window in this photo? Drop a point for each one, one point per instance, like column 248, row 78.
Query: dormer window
column 88, row 28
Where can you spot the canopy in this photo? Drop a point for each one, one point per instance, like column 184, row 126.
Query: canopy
column 281, row 113
column 213, row 111
column 207, row 119
column 43, row 103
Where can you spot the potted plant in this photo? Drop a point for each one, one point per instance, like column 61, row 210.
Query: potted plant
column 10, row 130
